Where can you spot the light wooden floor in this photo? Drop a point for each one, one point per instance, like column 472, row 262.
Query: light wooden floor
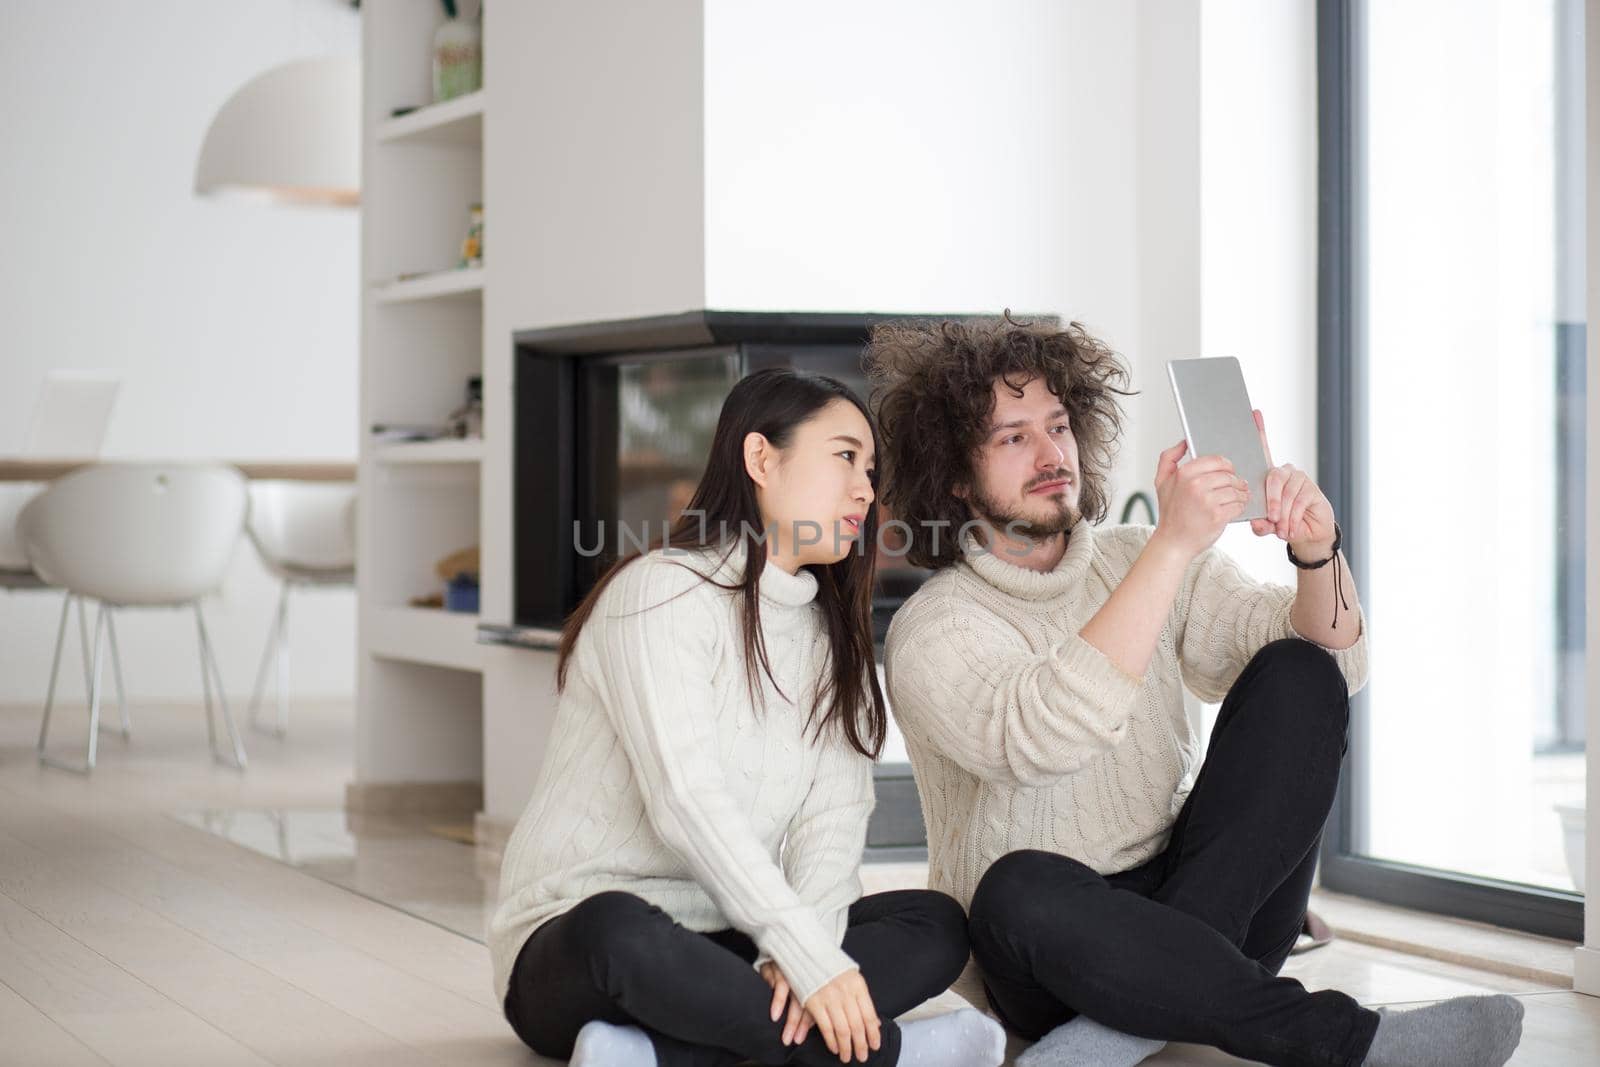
column 128, row 937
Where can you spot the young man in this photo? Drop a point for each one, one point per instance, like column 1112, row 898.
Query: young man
column 1037, row 677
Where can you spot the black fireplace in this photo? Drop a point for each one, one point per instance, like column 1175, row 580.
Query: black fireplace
column 613, row 424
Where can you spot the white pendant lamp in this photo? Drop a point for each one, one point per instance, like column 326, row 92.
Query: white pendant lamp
column 290, row 135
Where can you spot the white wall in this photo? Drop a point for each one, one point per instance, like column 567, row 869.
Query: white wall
column 903, row 155
column 1166, row 223
column 1102, row 286
column 1257, row 272
column 233, row 325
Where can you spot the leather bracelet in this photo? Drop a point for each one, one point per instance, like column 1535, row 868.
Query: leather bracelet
column 1338, row 582
column 1338, row 539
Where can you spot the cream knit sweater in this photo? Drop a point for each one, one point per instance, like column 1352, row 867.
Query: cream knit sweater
column 1022, row 735
column 662, row 780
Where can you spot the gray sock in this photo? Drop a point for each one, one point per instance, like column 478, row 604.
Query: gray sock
column 1464, row 1032
column 965, row 1038
column 1085, row 1043
column 608, row 1045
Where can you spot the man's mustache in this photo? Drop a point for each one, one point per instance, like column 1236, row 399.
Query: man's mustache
column 1056, row 477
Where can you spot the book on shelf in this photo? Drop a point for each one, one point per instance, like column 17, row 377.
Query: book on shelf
column 389, row 432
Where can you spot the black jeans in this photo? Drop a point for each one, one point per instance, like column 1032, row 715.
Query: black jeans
column 621, row 960
column 1188, row 946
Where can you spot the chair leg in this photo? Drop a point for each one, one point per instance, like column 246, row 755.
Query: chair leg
column 210, row 672
column 253, row 711
column 116, row 673
column 94, row 702
column 283, row 663
column 280, row 823
column 277, row 650
column 55, row 669
column 205, row 683
column 83, row 643
column 116, row 663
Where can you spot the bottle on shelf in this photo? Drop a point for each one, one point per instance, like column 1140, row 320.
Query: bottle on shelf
column 457, row 56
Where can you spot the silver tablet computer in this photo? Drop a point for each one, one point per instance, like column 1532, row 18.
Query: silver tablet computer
column 1219, row 421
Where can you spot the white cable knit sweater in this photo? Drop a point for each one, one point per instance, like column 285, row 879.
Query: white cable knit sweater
column 1023, row 735
column 662, row 780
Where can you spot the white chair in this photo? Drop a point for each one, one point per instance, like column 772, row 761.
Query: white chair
column 70, row 416
column 305, row 533
column 18, row 575
column 137, row 535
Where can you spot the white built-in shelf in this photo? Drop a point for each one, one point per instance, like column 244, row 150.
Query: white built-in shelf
column 453, row 450
column 430, row 636
column 458, row 121
column 466, row 281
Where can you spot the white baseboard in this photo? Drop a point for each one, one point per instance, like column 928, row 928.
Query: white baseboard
column 443, row 799
column 1586, row 970
column 491, row 834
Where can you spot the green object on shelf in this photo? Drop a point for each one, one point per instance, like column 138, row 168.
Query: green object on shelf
column 450, row 8
column 457, row 59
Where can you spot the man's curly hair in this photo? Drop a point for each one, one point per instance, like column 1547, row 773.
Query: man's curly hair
column 933, row 397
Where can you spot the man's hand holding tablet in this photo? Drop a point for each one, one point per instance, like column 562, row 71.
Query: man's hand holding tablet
column 1219, row 423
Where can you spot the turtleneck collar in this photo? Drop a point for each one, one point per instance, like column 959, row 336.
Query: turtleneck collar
column 1006, row 575
column 777, row 586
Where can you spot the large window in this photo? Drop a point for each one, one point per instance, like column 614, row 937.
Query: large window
column 1451, row 433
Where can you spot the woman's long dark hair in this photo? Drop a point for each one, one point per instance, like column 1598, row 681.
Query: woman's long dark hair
column 773, row 403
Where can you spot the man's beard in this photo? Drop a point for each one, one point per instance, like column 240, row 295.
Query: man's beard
column 1013, row 524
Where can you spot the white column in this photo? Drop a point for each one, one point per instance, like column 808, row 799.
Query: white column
column 594, row 191
column 1586, row 970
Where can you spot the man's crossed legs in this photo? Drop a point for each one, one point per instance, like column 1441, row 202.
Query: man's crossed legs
column 1188, row 946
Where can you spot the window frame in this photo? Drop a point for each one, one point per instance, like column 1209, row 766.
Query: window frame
column 1341, row 455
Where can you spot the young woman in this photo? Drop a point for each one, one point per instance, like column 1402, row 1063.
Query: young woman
column 683, row 887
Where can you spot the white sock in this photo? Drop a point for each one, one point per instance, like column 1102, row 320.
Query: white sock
column 608, row 1045
column 1082, row 1042
column 965, row 1038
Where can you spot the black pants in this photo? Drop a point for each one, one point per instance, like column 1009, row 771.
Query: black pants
column 1188, row 946
column 621, row 960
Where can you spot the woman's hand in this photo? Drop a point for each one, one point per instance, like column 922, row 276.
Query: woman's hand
column 780, row 987
column 843, row 1012
column 799, row 1022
